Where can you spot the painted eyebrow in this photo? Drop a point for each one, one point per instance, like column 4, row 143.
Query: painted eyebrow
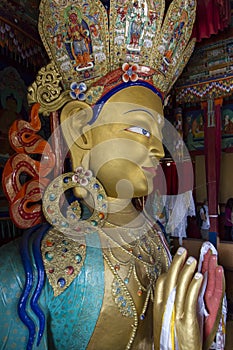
column 140, row 110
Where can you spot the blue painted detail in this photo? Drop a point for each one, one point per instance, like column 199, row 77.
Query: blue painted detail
column 24, row 251
column 99, row 105
column 40, row 281
column 27, row 264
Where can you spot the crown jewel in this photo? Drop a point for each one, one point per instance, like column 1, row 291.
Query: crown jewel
column 133, row 40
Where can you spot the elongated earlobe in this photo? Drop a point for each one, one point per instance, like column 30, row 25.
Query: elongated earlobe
column 74, row 122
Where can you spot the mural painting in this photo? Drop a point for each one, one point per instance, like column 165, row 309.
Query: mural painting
column 227, row 126
column 194, row 130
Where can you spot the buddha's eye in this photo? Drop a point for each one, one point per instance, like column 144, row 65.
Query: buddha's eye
column 139, row 130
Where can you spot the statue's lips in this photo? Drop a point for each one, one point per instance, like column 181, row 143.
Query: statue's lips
column 151, row 170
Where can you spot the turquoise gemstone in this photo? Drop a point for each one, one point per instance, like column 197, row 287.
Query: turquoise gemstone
column 78, row 258
column 49, row 256
column 94, row 222
column 52, row 197
column 89, row 98
column 100, row 197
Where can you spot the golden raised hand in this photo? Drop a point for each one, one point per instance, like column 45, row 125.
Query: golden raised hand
column 176, row 320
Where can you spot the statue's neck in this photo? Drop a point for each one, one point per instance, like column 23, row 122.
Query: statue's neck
column 122, row 212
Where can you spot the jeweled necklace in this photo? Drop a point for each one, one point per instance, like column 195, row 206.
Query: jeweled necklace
column 120, row 286
column 146, row 245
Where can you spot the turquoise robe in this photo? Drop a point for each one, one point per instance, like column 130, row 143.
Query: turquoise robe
column 66, row 321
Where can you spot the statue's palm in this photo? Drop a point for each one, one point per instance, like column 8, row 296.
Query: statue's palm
column 184, row 284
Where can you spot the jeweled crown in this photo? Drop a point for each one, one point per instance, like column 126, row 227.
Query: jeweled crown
column 93, row 48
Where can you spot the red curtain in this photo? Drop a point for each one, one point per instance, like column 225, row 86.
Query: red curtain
column 212, row 16
column 174, row 177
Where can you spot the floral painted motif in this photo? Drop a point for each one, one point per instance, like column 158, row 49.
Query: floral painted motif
column 78, row 91
column 130, row 72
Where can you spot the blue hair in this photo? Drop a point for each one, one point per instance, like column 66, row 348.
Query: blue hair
column 100, row 103
column 36, row 233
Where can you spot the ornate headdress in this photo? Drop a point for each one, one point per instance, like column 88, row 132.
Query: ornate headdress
column 93, row 49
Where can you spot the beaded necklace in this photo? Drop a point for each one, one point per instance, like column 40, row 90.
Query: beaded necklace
column 144, row 250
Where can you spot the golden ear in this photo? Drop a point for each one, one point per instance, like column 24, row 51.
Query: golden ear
column 74, row 123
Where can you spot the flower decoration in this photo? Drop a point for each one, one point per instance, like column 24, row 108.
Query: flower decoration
column 82, row 176
column 78, row 91
column 130, row 72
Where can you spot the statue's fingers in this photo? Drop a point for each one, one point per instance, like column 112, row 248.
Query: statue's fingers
column 210, row 288
column 174, row 270
column 184, row 281
column 158, row 309
column 219, row 282
column 191, row 299
column 215, row 311
column 159, row 289
column 216, row 301
column 205, row 264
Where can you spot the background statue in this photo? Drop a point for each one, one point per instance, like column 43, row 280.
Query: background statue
column 99, row 272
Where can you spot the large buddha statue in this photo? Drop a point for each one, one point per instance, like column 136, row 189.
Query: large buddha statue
column 94, row 272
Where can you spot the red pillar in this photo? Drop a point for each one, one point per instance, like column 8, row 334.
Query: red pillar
column 212, row 116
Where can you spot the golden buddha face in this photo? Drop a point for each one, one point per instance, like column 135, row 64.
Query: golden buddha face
column 124, row 144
